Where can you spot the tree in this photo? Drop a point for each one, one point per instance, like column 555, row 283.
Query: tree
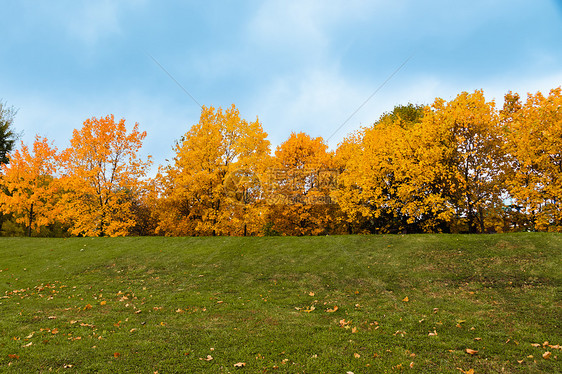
column 470, row 141
column 30, row 189
column 7, row 135
column 102, row 174
column 534, row 140
column 389, row 180
column 213, row 187
column 300, row 186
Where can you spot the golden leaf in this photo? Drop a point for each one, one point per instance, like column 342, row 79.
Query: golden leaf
column 471, row 351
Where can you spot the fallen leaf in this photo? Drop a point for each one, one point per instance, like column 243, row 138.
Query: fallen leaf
column 332, row 310
column 14, row 357
column 54, row 331
column 520, row 361
column 311, row 294
column 434, row 333
column 546, row 355
column 88, row 306
column 471, row 351
column 536, row 345
column 412, row 365
column 116, row 354
column 208, row 358
column 28, row 344
column 239, row 364
column 356, row 355
column 103, row 302
column 406, row 299
column 354, row 330
column 30, row 335
column 52, row 317
column 477, row 339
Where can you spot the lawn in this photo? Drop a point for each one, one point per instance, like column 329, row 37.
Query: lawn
column 338, row 304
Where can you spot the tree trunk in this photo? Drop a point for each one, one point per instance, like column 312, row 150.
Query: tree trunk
column 30, row 220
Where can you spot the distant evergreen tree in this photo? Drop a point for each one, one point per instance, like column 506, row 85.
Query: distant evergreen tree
column 7, row 135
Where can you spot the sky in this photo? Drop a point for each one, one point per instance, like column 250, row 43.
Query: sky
column 297, row 65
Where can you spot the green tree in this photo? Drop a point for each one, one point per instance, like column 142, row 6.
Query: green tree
column 7, row 135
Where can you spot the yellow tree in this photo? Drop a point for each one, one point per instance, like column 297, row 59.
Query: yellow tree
column 466, row 136
column 30, row 192
column 389, row 181
column 213, row 186
column 300, row 186
column 102, row 175
column 534, row 140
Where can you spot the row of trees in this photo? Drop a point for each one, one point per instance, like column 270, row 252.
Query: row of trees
column 457, row 166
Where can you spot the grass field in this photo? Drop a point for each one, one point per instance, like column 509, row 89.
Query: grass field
column 361, row 304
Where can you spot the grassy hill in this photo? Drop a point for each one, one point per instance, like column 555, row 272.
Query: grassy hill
column 361, row 304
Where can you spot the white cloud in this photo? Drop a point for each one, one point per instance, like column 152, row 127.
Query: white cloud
column 304, row 24
column 85, row 21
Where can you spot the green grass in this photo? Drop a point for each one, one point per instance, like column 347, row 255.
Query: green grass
column 143, row 305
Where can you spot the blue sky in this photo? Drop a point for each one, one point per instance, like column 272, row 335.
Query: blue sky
column 297, row 65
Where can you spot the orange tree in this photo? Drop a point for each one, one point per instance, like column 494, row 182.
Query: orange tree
column 30, row 191
column 213, row 187
column 102, row 174
column 299, row 187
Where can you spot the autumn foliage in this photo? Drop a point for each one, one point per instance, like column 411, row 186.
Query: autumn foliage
column 464, row 165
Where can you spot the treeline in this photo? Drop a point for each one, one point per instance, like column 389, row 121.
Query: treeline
column 464, row 165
